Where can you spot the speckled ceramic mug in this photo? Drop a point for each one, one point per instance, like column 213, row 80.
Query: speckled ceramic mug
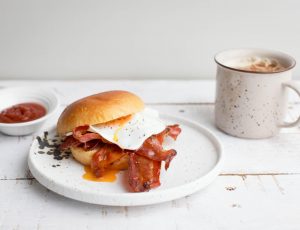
column 252, row 104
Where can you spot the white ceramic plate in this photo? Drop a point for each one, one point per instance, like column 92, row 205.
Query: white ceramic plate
column 197, row 164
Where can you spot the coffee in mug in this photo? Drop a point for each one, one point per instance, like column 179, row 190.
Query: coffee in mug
column 260, row 64
column 251, row 92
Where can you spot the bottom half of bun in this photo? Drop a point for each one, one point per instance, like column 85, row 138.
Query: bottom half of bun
column 85, row 157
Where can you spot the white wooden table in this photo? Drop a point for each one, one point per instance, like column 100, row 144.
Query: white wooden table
column 259, row 187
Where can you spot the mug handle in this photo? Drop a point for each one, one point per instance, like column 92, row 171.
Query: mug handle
column 296, row 87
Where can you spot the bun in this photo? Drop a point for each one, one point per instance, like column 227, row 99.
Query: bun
column 97, row 109
column 83, row 156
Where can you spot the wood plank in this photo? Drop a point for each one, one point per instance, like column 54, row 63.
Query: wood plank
column 152, row 91
column 158, row 91
column 231, row 202
column 278, row 155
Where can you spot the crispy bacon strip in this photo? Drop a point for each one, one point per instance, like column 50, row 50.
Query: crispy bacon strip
column 79, row 130
column 105, row 157
column 80, row 133
column 69, row 142
column 81, row 136
column 143, row 173
column 90, row 145
column 173, row 131
column 145, row 163
column 152, row 147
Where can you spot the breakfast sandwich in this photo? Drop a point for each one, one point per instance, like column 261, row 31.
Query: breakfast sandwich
column 114, row 131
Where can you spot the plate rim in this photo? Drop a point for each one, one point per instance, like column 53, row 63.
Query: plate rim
column 191, row 187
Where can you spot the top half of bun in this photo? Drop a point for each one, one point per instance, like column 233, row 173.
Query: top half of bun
column 97, row 109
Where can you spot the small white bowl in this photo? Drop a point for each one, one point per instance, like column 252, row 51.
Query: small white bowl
column 16, row 95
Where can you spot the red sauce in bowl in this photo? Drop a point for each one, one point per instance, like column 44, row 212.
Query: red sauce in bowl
column 22, row 113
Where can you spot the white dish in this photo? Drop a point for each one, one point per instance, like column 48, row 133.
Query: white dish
column 197, row 164
column 16, row 95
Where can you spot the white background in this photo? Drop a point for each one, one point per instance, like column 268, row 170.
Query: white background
column 137, row 38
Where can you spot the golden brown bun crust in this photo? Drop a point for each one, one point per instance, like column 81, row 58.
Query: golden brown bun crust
column 83, row 156
column 98, row 108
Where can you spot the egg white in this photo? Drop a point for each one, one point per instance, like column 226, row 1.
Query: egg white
column 132, row 134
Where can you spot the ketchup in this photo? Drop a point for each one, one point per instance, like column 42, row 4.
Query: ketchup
column 22, row 113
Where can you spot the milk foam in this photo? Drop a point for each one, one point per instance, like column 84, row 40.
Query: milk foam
column 256, row 64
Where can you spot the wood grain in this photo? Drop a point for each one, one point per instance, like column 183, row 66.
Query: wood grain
column 231, row 202
column 258, row 187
